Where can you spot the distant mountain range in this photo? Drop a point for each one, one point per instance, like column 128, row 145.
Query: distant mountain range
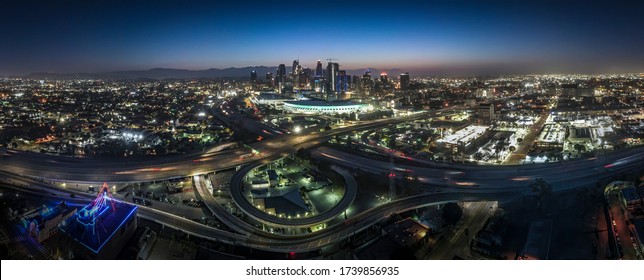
column 169, row 73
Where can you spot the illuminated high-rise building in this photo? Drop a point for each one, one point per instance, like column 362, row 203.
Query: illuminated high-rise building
column 296, row 64
column 342, row 81
column 404, row 81
column 318, row 69
column 269, row 78
column 356, row 82
column 253, row 76
column 367, row 82
column 281, row 77
column 305, row 78
column 383, row 78
column 332, row 77
column 296, row 72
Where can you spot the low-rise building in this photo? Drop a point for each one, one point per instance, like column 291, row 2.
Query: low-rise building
column 489, row 239
column 101, row 229
column 465, row 139
column 145, row 244
column 486, row 112
column 406, row 233
column 638, row 234
column 552, row 136
column 630, row 198
column 538, row 241
column 43, row 222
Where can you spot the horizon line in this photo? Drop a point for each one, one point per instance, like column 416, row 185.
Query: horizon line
column 450, row 71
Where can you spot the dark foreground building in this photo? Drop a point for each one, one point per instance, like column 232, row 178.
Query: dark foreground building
column 100, row 229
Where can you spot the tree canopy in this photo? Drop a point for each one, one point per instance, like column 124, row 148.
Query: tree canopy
column 452, row 213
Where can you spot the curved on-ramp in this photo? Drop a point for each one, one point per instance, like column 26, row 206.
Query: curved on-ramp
column 351, row 190
column 319, row 239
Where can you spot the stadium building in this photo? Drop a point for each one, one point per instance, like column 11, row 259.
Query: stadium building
column 326, row 107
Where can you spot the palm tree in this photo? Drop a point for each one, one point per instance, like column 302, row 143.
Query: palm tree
column 391, row 144
column 580, row 148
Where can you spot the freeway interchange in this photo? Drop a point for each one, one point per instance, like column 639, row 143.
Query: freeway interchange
column 149, row 169
column 443, row 182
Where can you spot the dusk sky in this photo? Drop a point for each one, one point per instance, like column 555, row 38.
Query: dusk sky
column 515, row 36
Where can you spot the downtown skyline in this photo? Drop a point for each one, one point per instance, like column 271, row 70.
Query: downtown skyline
column 424, row 38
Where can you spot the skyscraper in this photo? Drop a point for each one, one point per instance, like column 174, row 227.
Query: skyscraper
column 404, row 81
column 356, row 82
column 296, row 63
column 281, row 77
column 253, row 77
column 342, row 81
column 318, row 69
column 296, row 71
column 332, row 76
column 269, row 78
column 305, row 78
column 367, row 82
column 383, row 78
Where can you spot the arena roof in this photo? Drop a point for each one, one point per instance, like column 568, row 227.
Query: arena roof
column 323, row 103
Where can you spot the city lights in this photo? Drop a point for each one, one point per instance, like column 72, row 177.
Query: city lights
column 321, row 131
